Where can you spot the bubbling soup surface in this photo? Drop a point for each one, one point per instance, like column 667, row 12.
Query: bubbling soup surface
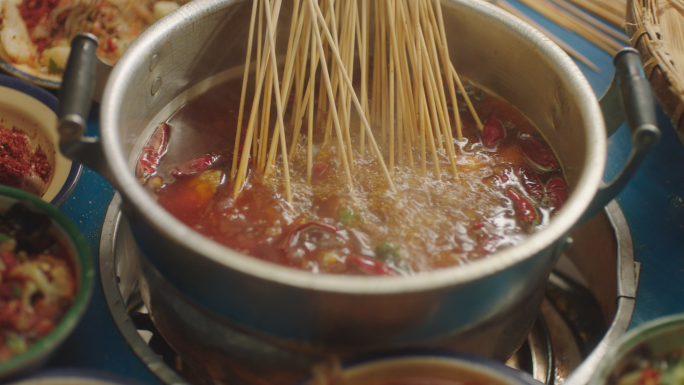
column 509, row 184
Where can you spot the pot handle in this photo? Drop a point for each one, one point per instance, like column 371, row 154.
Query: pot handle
column 628, row 96
column 75, row 99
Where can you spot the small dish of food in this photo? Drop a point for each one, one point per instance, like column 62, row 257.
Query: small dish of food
column 650, row 354
column 47, row 280
column 418, row 368
column 72, row 377
column 29, row 143
column 36, row 34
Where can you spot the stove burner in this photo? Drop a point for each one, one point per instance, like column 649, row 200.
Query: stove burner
column 572, row 323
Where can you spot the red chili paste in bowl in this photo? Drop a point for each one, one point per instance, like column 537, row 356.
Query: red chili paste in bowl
column 21, row 165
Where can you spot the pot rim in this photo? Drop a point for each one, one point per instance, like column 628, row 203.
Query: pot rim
column 173, row 229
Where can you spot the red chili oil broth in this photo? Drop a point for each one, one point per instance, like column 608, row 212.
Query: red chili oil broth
column 425, row 225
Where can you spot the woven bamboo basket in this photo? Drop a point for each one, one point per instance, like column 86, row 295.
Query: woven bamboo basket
column 656, row 30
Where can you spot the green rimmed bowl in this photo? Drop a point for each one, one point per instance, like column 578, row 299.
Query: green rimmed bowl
column 66, row 231
column 653, row 339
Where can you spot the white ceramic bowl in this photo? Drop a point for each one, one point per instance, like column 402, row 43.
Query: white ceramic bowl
column 34, row 111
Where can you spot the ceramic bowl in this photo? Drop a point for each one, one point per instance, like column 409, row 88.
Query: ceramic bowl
column 29, row 74
column 34, row 111
column 425, row 367
column 73, row 377
column 655, row 338
column 66, row 231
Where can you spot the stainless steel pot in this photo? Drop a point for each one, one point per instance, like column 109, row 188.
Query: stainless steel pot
column 485, row 307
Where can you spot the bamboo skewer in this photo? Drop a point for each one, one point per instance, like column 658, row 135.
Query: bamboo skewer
column 383, row 69
column 572, row 23
column 244, row 157
column 357, row 104
column 591, row 20
column 350, row 40
column 295, row 35
column 444, row 53
column 245, row 77
column 419, row 87
column 301, row 99
column 279, row 105
column 433, row 63
column 406, row 100
column 565, row 46
column 391, row 5
column 311, row 107
column 258, row 64
column 409, row 99
column 329, row 89
column 409, row 103
column 600, row 12
column 265, row 119
column 404, row 83
column 363, row 47
column 450, row 76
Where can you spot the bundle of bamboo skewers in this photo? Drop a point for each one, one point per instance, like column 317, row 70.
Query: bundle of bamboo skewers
column 590, row 19
column 402, row 93
column 656, row 28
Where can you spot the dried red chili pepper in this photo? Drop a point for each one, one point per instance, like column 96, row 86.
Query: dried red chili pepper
column 530, row 181
column 492, row 133
column 152, row 153
column 538, row 155
column 525, row 209
column 197, row 165
column 369, row 266
column 557, row 192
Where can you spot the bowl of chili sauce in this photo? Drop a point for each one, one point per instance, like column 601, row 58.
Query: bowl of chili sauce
column 417, row 367
column 46, row 280
column 29, row 143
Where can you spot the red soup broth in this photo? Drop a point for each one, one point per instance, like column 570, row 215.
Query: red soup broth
column 509, row 184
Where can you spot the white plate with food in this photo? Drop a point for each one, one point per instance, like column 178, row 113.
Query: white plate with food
column 35, row 35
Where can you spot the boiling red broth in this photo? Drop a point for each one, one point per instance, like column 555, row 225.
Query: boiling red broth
column 498, row 198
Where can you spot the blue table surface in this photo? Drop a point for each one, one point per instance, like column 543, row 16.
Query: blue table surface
column 652, row 204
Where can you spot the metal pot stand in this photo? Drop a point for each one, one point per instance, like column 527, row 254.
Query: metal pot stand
column 564, row 345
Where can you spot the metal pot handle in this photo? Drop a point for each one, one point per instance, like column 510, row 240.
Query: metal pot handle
column 629, row 96
column 75, row 99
